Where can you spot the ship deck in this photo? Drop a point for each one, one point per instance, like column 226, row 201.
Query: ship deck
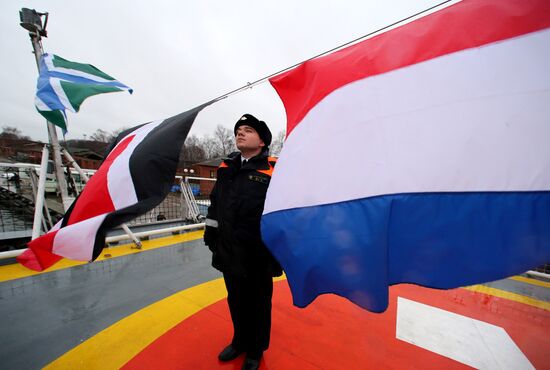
column 163, row 307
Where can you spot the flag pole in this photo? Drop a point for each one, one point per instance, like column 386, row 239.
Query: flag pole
column 31, row 21
column 39, row 202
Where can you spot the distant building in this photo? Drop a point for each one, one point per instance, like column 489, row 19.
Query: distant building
column 28, row 151
column 86, row 158
column 21, row 150
column 207, row 169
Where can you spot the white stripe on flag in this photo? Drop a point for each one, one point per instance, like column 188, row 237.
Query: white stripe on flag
column 75, row 72
column 77, row 241
column 56, row 85
column 462, row 122
column 40, row 104
column 119, row 178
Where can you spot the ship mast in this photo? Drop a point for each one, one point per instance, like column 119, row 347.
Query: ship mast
column 31, row 20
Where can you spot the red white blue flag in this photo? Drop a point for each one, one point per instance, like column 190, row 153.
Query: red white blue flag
column 135, row 177
column 420, row 155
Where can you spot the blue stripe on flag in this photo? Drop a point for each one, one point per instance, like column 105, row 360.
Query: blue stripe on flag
column 47, row 94
column 81, row 88
column 358, row 248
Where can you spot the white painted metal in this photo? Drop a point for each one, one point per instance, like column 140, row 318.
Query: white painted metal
column 75, row 165
column 472, row 342
column 541, row 275
column 34, row 184
column 59, row 174
column 199, row 178
column 15, row 253
column 36, row 227
column 190, row 202
column 157, row 232
column 131, row 235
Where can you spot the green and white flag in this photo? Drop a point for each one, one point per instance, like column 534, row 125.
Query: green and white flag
column 63, row 84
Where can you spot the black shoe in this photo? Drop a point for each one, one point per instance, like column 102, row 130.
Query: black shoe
column 250, row 364
column 229, row 353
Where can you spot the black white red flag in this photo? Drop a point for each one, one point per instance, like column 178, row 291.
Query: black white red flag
column 135, row 177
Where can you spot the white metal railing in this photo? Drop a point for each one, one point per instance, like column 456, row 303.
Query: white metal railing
column 19, row 182
column 117, row 238
column 181, row 207
column 538, row 274
column 189, row 202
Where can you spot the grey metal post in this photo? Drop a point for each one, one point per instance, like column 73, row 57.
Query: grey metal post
column 75, row 165
column 34, row 184
column 38, row 51
column 39, row 204
column 131, row 235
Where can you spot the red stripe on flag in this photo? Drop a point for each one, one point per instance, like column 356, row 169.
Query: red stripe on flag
column 39, row 257
column 465, row 25
column 93, row 201
column 95, row 198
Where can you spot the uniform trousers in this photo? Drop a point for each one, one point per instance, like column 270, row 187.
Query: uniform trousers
column 249, row 301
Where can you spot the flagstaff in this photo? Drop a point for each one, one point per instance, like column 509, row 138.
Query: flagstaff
column 90, row 80
column 31, row 20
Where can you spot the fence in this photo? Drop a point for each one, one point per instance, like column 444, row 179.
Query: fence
column 170, row 209
column 18, row 183
column 187, row 201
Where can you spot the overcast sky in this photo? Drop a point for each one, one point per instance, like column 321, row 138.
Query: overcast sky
column 178, row 54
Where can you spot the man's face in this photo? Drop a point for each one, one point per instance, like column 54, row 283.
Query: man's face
column 248, row 139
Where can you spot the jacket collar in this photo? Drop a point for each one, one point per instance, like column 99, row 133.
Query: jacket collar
column 258, row 162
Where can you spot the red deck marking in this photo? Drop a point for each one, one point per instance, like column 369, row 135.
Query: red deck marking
column 335, row 334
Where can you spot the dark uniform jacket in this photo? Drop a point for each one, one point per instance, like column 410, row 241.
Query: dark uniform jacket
column 237, row 203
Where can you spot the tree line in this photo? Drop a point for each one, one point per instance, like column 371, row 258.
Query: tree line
column 196, row 148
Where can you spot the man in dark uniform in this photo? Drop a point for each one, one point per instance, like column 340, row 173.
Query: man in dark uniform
column 233, row 235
